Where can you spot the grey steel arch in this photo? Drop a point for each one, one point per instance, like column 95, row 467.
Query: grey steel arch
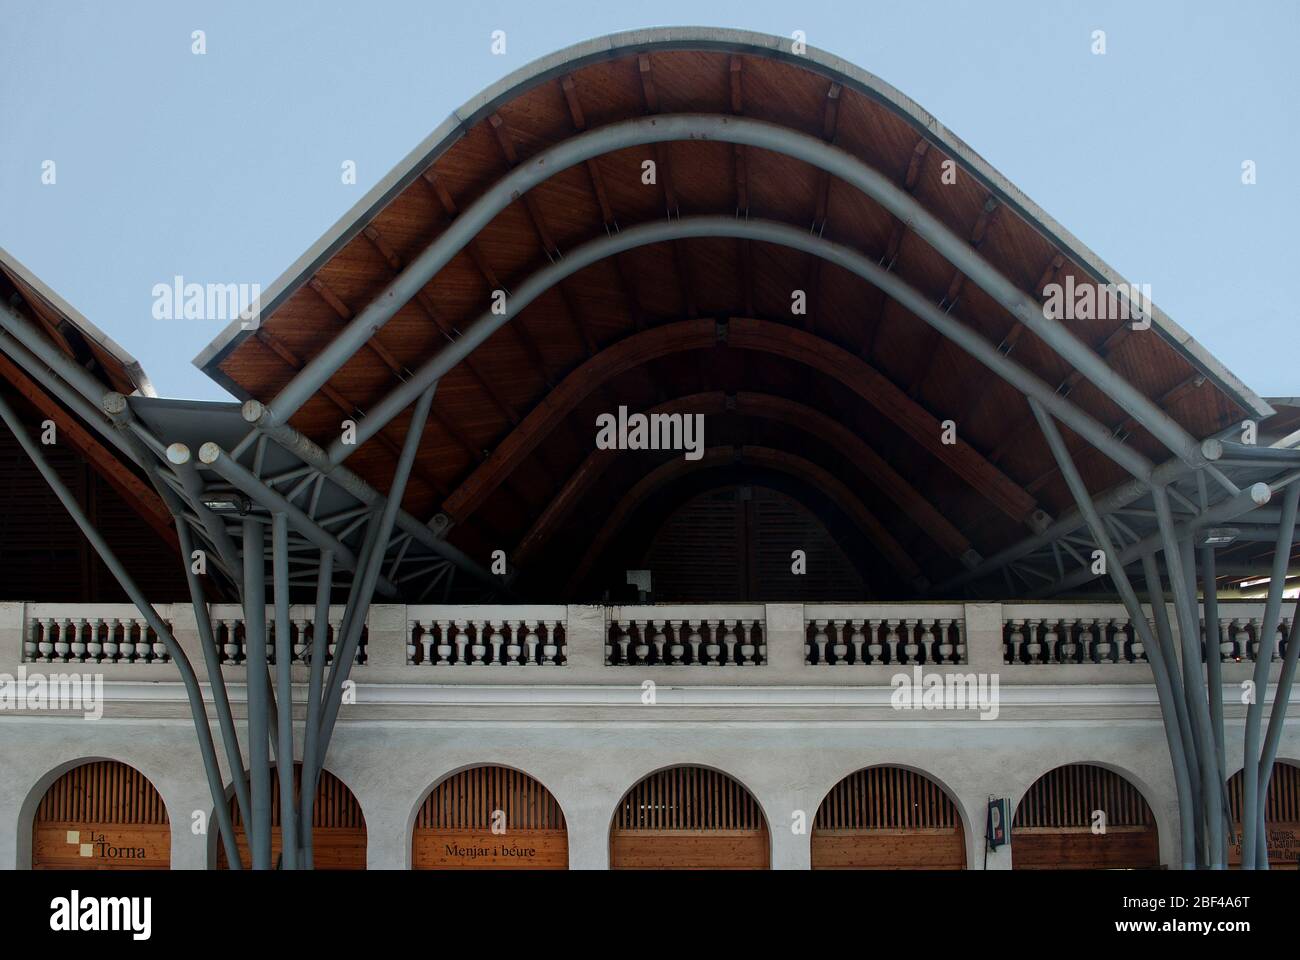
column 737, row 130
column 770, row 232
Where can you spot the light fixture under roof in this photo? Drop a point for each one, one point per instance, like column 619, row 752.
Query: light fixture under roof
column 1219, row 536
column 227, row 503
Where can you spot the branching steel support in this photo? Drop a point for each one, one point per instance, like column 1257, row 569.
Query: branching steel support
column 193, row 692
column 1198, row 709
column 258, row 830
column 284, row 691
column 1155, row 655
column 347, row 650
column 1252, row 825
column 311, row 734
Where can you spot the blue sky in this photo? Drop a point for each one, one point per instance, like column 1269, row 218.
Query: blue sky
column 225, row 167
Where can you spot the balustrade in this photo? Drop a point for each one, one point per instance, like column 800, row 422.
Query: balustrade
column 77, row 633
column 485, row 636
column 1104, row 633
column 876, row 634
column 713, row 635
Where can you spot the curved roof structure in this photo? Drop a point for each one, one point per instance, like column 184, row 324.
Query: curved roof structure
column 775, row 172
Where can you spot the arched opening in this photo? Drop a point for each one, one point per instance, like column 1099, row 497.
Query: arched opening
column 888, row 818
column 490, row 818
column 1084, row 817
column 101, row 815
column 338, row 827
column 1281, row 817
column 689, row 818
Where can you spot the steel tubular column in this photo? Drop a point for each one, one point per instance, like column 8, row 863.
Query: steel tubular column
column 207, row 749
column 1165, row 639
column 765, row 231
column 257, row 830
column 319, row 647
column 1251, row 823
column 216, row 682
column 1155, row 655
column 1281, row 699
column 284, row 691
column 1214, row 675
column 363, row 589
column 736, row 130
column 1198, row 707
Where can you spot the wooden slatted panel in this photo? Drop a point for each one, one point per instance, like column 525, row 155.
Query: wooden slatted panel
column 888, row 818
column 104, row 791
column 686, row 818
column 688, row 798
column 468, row 799
column 490, row 818
column 1068, row 795
column 1056, row 827
column 102, row 815
column 886, row 798
column 1281, row 817
column 338, row 825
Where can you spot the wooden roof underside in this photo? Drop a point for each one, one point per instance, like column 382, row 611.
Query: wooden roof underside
column 481, row 403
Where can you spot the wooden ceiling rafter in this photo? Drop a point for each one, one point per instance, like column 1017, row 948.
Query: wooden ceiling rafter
column 395, row 366
column 911, row 177
column 740, row 175
column 937, row 343
column 425, row 302
column 474, row 251
column 664, row 176
column 609, row 219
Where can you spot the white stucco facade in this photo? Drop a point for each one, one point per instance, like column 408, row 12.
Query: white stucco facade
column 787, row 730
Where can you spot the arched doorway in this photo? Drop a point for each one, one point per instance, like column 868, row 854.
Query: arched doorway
column 689, row 818
column 1084, row 817
column 338, row 829
column 888, row 818
column 1281, row 817
column 490, row 818
column 101, row 815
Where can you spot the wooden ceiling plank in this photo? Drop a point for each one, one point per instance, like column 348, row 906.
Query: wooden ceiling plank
column 474, row 251
column 910, row 179
column 538, row 220
column 664, row 176
column 425, row 303
column 937, row 342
